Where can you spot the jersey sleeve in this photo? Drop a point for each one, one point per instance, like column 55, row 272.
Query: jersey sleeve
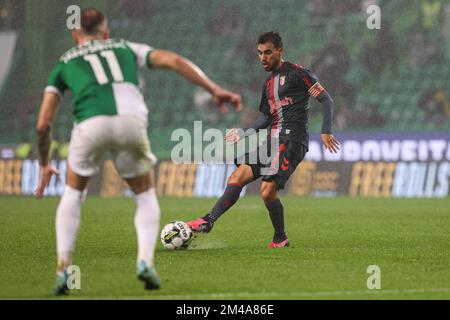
column 142, row 53
column 311, row 83
column 55, row 81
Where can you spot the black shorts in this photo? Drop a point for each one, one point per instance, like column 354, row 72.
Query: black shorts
column 277, row 167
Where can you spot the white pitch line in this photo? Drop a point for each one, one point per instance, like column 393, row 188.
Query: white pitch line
column 295, row 294
column 258, row 296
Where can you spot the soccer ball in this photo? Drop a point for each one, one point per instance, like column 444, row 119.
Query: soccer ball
column 176, row 235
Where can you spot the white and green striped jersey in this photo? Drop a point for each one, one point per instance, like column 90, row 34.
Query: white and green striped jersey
column 103, row 77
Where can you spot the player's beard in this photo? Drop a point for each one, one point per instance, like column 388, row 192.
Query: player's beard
column 273, row 66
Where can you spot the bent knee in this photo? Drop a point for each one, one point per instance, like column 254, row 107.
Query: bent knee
column 240, row 177
column 269, row 192
column 235, row 181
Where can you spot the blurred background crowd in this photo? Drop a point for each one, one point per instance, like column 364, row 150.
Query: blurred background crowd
column 393, row 79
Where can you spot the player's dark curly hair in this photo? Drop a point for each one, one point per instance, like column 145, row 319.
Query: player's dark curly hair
column 91, row 20
column 273, row 37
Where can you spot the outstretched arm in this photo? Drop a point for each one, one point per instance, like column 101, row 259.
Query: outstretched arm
column 47, row 114
column 316, row 90
column 327, row 112
column 190, row 71
column 328, row 139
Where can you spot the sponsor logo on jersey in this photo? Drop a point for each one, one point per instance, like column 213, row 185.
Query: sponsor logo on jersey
column 281, row 103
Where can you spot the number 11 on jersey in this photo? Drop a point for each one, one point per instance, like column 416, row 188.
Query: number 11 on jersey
column 97, row 67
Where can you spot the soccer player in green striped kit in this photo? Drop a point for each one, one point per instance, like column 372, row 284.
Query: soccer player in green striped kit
column 110, row 116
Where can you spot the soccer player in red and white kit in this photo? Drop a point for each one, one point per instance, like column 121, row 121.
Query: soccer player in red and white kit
column 284, row 110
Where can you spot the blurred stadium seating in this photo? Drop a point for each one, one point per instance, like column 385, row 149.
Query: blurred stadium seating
column 391, row 74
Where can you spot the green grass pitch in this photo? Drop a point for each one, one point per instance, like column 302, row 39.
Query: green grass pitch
column 333, row 243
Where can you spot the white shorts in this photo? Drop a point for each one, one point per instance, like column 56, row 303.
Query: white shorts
column 124, row 137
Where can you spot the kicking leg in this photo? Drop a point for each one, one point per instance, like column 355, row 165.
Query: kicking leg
column 238, row 179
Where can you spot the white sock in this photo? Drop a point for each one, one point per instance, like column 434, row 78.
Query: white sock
column 67, row 223
column 146, row 222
